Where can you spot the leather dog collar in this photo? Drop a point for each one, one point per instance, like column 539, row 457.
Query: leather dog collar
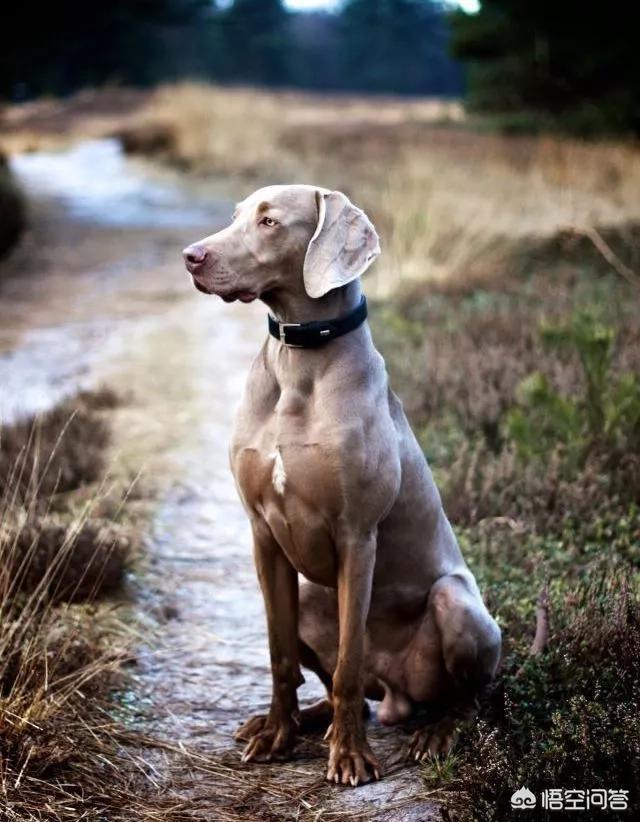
column 318, row 332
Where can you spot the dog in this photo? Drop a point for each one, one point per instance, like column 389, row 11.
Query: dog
column 338, row 491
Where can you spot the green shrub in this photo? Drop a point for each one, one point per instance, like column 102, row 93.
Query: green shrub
column 605, row 415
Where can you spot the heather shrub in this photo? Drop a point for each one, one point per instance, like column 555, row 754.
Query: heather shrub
column 565, row 719
column 526, row 400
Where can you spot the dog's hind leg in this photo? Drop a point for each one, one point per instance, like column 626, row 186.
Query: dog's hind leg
column 470, row 650
column 316, row 717
column 318, row 634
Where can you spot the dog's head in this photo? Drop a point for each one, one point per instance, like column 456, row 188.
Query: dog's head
column 285, row 237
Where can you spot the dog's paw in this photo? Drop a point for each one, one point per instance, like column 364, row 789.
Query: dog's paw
column 351, row 760
column 250, row 728
column 433, row 740
column 269, row 742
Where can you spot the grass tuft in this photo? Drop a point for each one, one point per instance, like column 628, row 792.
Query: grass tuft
column 61, row 651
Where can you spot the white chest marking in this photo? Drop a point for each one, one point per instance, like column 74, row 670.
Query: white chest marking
column 278, row 475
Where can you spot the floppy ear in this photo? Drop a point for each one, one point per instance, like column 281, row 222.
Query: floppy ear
column 343, row 246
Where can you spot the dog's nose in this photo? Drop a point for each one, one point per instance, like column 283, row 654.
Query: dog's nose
column 194, row 254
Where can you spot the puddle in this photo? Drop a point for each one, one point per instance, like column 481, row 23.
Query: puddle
column 101, row 266
column 52, row 363
column 95, row 182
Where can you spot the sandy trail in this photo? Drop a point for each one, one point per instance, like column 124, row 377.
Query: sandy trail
column 95, row 294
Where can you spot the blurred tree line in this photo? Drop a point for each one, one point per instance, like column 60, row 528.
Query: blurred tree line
column 572, row 64
column 399, row 46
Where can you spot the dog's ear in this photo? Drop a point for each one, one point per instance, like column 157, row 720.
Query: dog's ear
column 344, row 244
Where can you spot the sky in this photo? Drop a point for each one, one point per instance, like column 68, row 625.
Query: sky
column 468, row 5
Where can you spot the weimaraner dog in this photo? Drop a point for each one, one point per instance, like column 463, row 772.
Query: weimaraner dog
column 338, row 491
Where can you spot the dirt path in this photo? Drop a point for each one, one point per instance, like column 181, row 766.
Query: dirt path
column 96, row 294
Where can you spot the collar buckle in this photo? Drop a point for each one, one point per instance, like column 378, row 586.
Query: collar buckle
column 282, row 331
column 317, row 333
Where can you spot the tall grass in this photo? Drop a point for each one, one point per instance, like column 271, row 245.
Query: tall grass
column 243, row 131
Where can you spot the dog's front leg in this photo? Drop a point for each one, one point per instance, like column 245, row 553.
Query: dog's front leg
column 272, row 736
column 351, row 760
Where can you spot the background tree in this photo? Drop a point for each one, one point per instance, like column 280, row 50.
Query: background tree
column 255, row 38
column 397, row 46
column 316, row 53
column 574, row 62
column 392, row 46
column 57, row 47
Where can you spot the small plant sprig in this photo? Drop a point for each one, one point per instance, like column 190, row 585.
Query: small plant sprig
column 605, row 414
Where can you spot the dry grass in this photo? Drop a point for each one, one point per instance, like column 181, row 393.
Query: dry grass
column 189, row 782
column 61, row 650
column 464, row 211
column 49, row 123
column 241, row 131
column 57, row 451
column 450, row 202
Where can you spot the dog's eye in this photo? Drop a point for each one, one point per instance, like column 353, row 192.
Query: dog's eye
column 268, row 221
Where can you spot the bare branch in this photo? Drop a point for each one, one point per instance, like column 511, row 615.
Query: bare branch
column 608, row 254
column 541, row 638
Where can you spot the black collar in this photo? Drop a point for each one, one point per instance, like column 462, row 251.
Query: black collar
column 318, row 332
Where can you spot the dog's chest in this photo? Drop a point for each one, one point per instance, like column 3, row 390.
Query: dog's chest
column 288, row 478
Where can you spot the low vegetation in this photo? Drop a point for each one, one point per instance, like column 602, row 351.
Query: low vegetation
column 526, row 399
column 62, row 643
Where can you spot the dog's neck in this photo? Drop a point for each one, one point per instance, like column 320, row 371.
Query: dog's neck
column 296, row 306
column 302, row 369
